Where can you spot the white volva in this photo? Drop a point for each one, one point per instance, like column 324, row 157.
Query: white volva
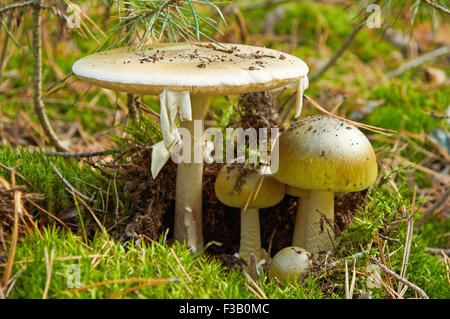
column 172, row 103
column 303, row 84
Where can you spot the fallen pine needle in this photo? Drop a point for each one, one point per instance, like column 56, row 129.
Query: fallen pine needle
column 63, row 258
column 15, row 235
column 120, row 281
column 49, row 267
column 126, row 291
column 417, row 289
column 179, row 264
column 357, row 124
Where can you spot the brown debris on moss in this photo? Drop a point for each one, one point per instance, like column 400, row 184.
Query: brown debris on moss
column 7, row 211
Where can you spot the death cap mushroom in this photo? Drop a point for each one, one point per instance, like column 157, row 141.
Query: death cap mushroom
column 323, row 155
column 236, row 186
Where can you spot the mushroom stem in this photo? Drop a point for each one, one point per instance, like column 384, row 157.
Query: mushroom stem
column 312, row 231
column 298, row 239
column 188, row 197
column 250, row 234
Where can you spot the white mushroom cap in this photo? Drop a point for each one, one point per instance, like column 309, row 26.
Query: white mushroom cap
column 202, row 68
column 290, row 263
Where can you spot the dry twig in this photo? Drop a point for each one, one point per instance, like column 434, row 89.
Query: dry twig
column 37, row 79
column 73, row 189
column 343, row 47
column 437, row 6
column 419, row 61
column 417, row 289
column 16, row 5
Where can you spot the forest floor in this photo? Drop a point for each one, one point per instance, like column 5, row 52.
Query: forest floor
column 108, row 234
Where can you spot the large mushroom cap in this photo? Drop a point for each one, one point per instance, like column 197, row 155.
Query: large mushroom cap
column 324, row 153
column 202, row 68
column 234, row 185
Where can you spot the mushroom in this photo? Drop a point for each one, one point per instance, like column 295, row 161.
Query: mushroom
column 290, row 263
column 323, row 155
column 183, row 75
column 236, row 186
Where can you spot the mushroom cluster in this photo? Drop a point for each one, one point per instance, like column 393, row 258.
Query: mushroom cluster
column 318, row 156
column 184, row 75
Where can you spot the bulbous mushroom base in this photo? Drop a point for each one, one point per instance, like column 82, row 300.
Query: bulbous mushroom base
column 290, row 263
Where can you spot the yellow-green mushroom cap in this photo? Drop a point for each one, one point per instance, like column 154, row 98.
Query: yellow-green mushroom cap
column 295, row 191
column 324, row 153
column 234, row 184
column 290, row 263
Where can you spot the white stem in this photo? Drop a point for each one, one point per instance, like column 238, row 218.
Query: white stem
column 312, row 231
column 250, row 234
column 188, row 198
column 300, row 228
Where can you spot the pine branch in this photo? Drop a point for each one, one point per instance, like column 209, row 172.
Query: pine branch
column 437, row 6
column 5, row 47
column 341, row 50
column 343, row 47
column 37, row 79
column 417, row 289
column 144, row 22
column 80, row 155
column 16, row 5
column 419, row 61
column 433, row 208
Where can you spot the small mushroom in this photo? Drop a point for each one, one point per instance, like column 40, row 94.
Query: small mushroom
column 235, row 186
column 290, row 263
column 184, row 75
column 323, row 155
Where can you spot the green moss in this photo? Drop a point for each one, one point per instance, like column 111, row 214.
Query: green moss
column 35, row 167
column 140, row 259
column 434, row 232
column 384, row 208
column 334, row 21
column 407, row 107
